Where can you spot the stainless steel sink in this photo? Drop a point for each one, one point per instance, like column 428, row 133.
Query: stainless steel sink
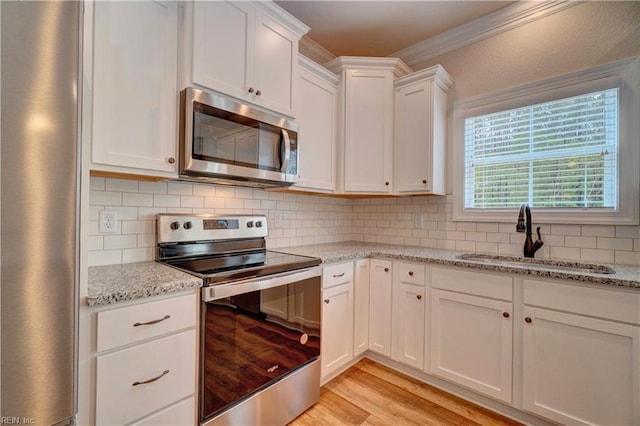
column 541, row 264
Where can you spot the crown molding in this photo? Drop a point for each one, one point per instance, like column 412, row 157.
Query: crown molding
column 505, row 19
column 436, row 73
column 314, row 51
column 282, row 16
column 396, row 65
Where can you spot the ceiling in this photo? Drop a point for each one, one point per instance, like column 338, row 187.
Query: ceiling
column 380, row 28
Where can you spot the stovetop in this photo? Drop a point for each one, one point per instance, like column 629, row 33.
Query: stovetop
column 239, row 266
column 220, row 248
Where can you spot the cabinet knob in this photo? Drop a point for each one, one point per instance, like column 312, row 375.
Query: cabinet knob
column 506, row 314
column 386, row 183
column 251, row 90
column 424, row 181
column 528, row 320
column 327, row 301
column 171, row 160
column 386, row 269
column 410, row 273
column 258, row 93
column 419, row 297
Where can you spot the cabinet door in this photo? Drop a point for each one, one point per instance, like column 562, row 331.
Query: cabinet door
column 408, row 324
column 471, row 340
column 275, row 65
column 317, row 106
column 368, row 129
column 413, row 141
column 337, row 327
column 223, row 34
column 361, row 307
column 134, row 86
column 579, row 370
column 380, row 307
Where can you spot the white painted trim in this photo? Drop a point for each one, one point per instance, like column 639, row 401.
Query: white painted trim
column 314, row 50
column 283, row 17
column 505, row 19
column 341, row 63
column 624, row 74
column 437, row 73
column 318, row 69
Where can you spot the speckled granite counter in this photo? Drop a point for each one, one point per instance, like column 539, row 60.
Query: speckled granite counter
column 130, row 281
column 119, row 283
column 625, row 276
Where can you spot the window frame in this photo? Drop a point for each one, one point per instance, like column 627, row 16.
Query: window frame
column 625, row 75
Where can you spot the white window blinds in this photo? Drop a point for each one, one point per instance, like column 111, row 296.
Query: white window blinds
column 559, row 154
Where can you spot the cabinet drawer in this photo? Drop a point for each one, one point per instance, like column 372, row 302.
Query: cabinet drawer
column 169, row 360
column 410, row 273
column 472, row 282
column 618, row 305
column 180, row 414
column 337, row 274
column 118, row 327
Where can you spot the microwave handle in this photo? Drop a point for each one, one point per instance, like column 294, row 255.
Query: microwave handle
column 287, row 150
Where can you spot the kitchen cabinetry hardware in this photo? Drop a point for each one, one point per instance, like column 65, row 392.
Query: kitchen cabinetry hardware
column 138, row 324
column 327, row 301
column 171, row 160
column 419, row 297
column 338, row 275
column 528, row 320
column 164, row 373
column 386, row 183
column 258, row 93
column 386, row 269
column 506, row 314
column 410, row 273
column 424, row 181
column 251, row 90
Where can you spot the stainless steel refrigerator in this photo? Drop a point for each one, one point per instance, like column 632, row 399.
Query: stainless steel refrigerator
column 39, row 210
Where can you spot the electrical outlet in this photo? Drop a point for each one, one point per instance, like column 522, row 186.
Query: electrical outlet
column 108, row 221
column 277, row 222
column 418, row 221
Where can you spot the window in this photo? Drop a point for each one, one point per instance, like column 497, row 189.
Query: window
column 565, row 146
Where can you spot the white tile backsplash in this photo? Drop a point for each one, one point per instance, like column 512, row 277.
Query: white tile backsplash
column 309, row 219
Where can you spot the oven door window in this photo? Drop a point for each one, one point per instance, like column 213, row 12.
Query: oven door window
column 223, row 137
column 254, row 339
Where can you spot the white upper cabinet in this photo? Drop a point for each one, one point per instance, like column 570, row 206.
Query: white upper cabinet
column 420, row 132
column 248, row 50
column 130, row 95
column 317, row 102
column 366, row 128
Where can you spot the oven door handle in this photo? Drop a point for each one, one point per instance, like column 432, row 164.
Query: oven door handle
column 245, row 286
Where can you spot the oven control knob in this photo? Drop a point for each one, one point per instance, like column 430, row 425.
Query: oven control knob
column 250, row 224
column 175, row 225
column 188, row 225
column 259, row 224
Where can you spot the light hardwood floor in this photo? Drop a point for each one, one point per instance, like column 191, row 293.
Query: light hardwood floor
column 371, row 394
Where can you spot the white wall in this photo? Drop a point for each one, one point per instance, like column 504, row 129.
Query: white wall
column 306, row 219
column 314, row 219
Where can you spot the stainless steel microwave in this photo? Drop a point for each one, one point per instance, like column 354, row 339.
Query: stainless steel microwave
column 223, row 141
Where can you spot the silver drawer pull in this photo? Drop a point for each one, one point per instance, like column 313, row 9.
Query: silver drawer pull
column 338, row 275
column 138, row 324
column 164, row 373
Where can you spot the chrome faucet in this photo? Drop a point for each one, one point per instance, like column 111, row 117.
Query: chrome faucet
column 524, row 224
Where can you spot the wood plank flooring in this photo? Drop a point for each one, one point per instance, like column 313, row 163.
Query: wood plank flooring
column 371, row 394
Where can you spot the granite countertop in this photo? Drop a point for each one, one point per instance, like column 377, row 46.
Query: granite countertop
column 117, row 283
column 624, row 276
column 130, row 281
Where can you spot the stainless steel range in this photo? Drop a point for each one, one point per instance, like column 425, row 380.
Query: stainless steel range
column 260, row 318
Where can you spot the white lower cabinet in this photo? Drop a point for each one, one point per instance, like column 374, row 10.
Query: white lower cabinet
column 471, row 334
column 408, row 314
column 361, row 306
column 578, row 369
column 147, row 377
column 380, row 306
column 336, row 347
